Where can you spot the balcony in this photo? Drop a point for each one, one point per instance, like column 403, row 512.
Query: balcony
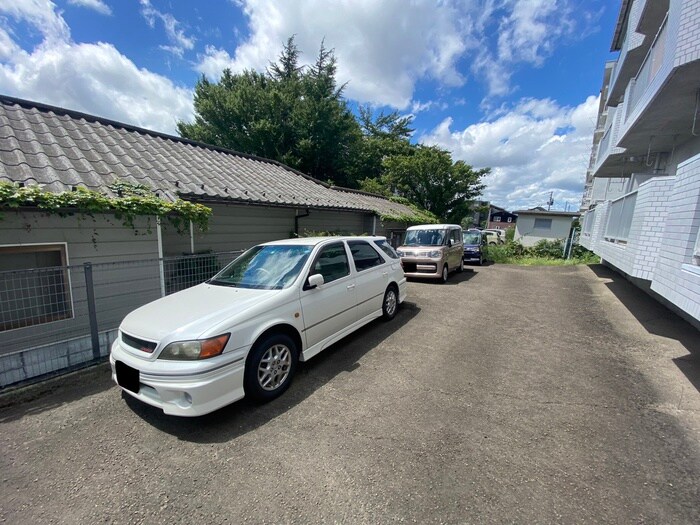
column 649, row 69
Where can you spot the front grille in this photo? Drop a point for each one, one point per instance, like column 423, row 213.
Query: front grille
column 139, row 344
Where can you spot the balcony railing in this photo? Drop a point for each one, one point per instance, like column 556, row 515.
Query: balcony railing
column 650, row 67
column 588, row 220
column 620, row 216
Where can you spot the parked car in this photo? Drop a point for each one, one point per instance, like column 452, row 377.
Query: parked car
column 432, row 250
column 474, row 242
column 242, row 332
column 494, row 236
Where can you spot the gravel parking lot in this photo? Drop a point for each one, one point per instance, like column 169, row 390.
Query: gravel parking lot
column 510, row 394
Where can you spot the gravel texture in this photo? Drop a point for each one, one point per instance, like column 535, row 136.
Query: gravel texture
column 508, row 395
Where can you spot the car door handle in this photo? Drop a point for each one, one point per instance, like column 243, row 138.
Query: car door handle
column 351, row 286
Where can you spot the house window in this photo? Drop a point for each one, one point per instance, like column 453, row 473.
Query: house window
column 497, row 218
column 510, row 219
column 696, row 251
column 34, row 285
column 543, row 224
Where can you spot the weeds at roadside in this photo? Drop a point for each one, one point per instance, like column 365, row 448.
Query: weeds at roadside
column 544, row 253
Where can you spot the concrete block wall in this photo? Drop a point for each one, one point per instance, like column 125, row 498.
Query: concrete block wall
column 36, row 362
column 647, row 229
column 677, row 273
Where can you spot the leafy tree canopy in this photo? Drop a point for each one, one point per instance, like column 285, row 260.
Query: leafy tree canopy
column 430, row 179
column 290, row 113
column 297, row 115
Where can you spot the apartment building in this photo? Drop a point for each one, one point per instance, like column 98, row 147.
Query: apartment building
column 641, row 201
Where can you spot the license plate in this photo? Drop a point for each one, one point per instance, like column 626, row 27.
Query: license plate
column 127, row 377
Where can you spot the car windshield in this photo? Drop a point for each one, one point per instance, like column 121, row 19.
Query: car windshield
column 264, row 267
column 472, row 238
column 424, row 238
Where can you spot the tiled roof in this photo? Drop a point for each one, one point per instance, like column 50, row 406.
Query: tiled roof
column 550, row 213
column 61, row 149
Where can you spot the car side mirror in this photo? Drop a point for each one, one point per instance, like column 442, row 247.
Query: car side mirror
column 449, row 242
column 314, row 281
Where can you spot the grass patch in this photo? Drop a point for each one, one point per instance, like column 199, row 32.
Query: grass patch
column 544, row 253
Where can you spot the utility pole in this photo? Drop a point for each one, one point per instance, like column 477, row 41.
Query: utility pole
column 550, row 202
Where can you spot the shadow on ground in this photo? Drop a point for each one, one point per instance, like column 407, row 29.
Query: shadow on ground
column 454, row 278
column 656, row 319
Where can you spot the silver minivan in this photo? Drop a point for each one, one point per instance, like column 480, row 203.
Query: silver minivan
column 432, row 251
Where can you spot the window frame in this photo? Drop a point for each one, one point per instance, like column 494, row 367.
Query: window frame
column 313, row 271
column 62, row 249
column 542, row 219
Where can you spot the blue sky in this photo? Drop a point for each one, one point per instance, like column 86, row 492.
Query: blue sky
column 510, row 84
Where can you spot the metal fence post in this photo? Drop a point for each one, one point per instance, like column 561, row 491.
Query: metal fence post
column 92, row 312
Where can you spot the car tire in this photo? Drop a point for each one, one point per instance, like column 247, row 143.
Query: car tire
column 390, row 304
column 460, row 269
column 481, row 260
column 270, row 367
column 445, row 273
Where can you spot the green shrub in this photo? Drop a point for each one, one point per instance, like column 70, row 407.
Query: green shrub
column 548, row 249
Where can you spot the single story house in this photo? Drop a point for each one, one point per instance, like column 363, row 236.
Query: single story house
column 538, row 224
column 253, row 200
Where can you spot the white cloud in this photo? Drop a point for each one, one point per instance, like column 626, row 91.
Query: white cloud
column 528, row 31
column 96, row 5
column 94, row 78
column 383, row 48
column 534, row 148
column 179, row 41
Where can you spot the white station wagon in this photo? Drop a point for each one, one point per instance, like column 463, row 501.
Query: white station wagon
column 242, row 332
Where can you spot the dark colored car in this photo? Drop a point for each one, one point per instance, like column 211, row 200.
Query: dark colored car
column 474, row 242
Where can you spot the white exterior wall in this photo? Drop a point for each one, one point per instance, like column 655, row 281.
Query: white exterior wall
column 677, row 273
column 688, row 43
column 637, row 257
column 526, row 233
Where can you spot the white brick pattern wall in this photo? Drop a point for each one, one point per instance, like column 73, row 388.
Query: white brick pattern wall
column 677, row 274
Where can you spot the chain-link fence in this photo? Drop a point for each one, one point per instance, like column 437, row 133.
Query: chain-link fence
column 62, row 317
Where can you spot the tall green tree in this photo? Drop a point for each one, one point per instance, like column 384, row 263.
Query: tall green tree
column 384, row 135
column 290, row 113
column 429, row 178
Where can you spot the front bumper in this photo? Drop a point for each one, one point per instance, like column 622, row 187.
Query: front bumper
column 182, row 394
column 471, row 256
column 422, row 267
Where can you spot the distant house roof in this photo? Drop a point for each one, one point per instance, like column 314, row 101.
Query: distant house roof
column 60, row 149
column 543, row 212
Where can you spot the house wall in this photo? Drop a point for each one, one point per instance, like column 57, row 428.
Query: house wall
column 526, row 233
column 238, row 227
column 335, row 222
column 118, row 288
column 233, row 227
column 100, row 239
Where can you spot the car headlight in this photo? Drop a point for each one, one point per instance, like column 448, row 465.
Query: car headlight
column 400, row 253
column 192, row 350
column 435, row 254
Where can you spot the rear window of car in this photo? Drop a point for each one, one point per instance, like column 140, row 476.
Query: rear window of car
column 387, row 248
column 364, row 255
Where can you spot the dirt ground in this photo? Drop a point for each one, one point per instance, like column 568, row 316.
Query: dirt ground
column 510, row 394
